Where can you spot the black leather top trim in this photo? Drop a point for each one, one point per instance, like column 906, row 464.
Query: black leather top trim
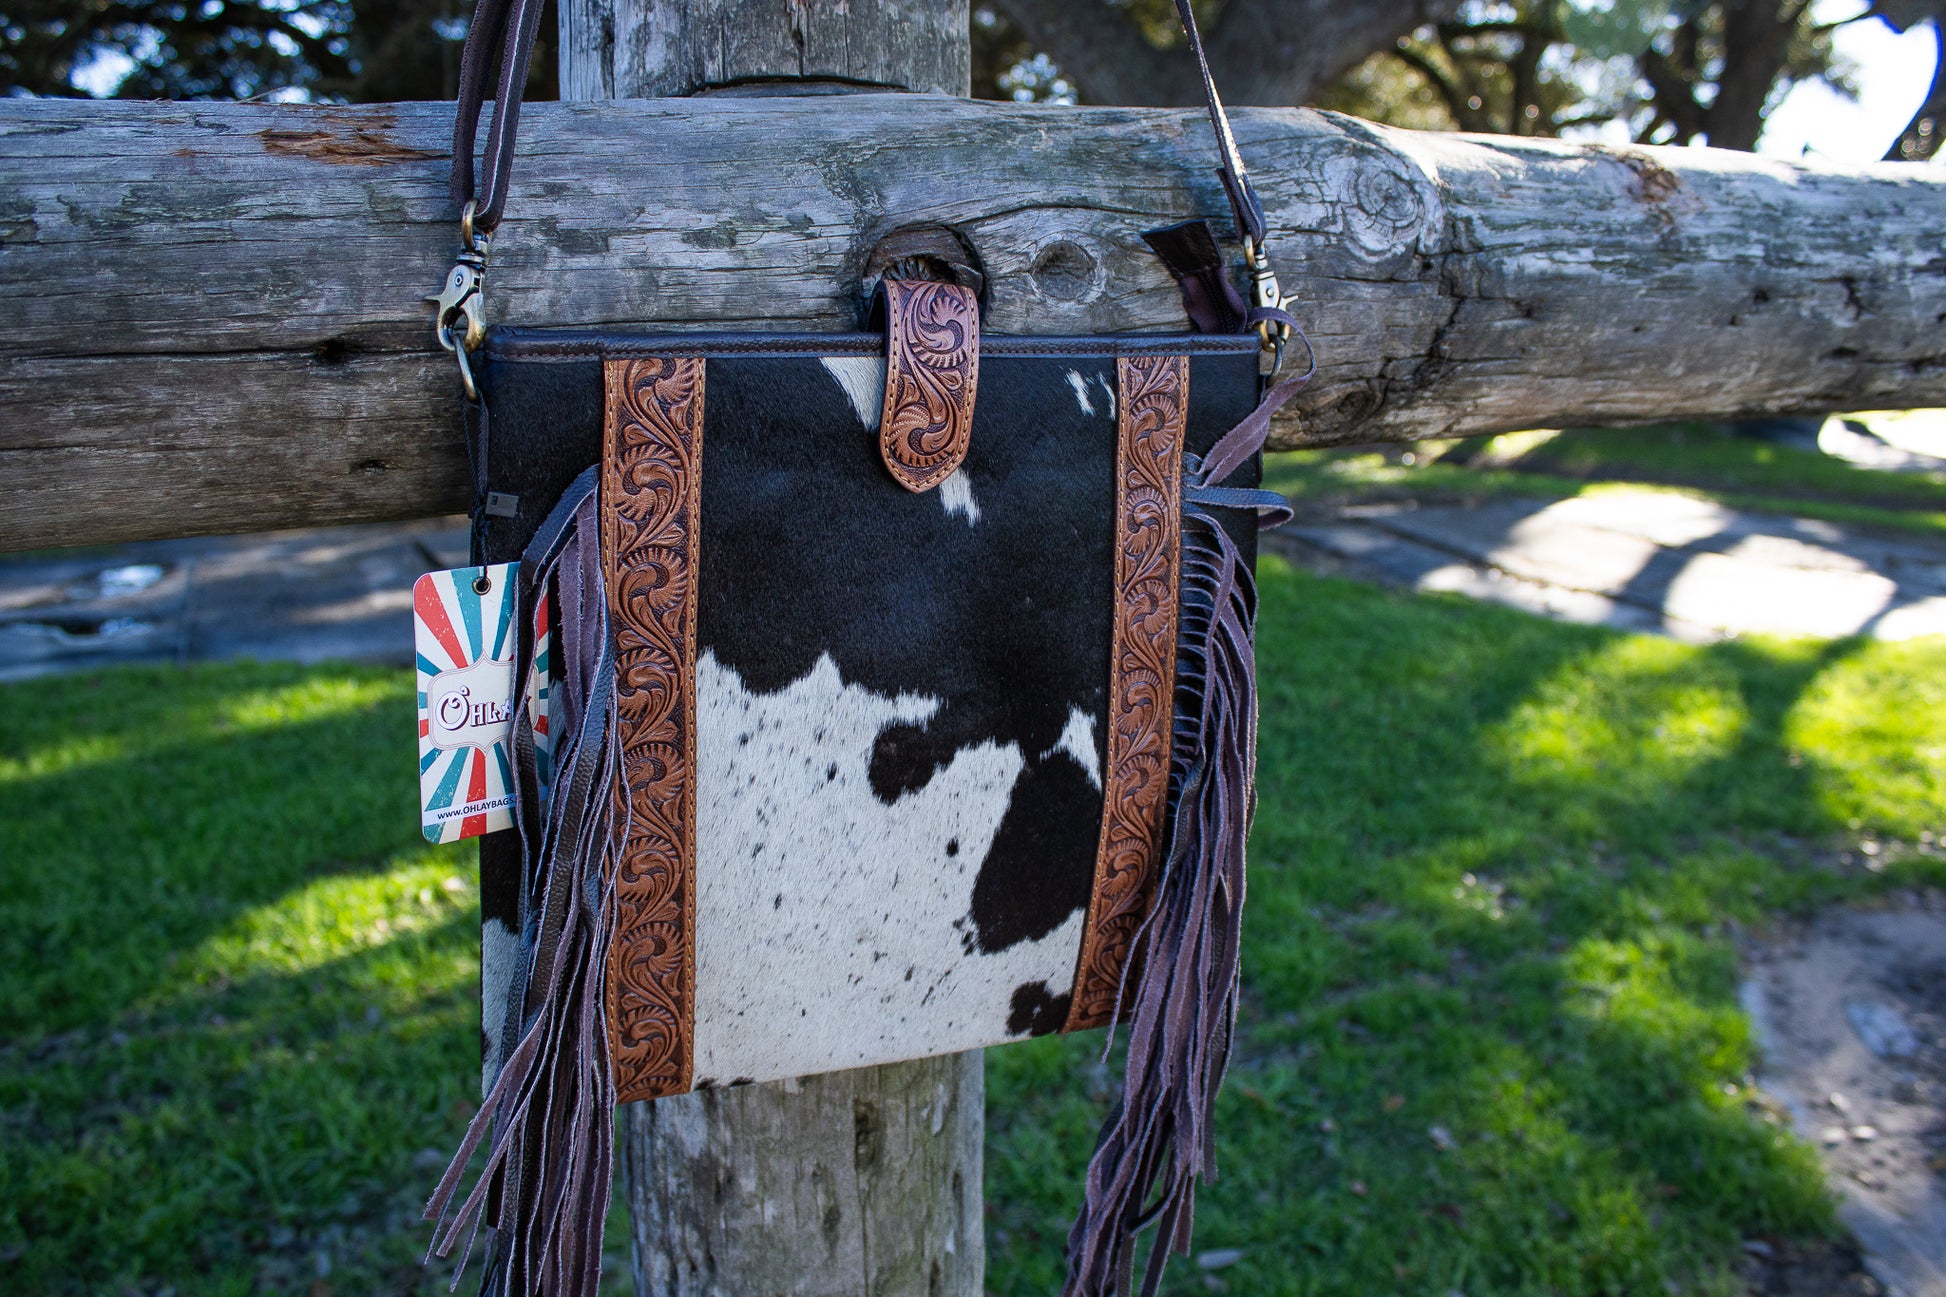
column 605, row 344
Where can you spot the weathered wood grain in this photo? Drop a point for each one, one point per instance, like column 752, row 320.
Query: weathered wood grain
column 98, row 449
column 864, row 1182
column 644, row 49
column 180, row 279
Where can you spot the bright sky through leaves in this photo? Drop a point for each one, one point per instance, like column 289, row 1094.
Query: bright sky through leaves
column 1893, row 72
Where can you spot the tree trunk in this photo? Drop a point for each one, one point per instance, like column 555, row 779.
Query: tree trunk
column 1276, row 52
column 1756, row 44
column 859, row 1183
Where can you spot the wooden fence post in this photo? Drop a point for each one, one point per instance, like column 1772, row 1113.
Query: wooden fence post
column 856, row 1184
column 646, row 49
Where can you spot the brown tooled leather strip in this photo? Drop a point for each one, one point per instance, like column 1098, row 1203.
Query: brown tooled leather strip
column 932, row 373
column 651, row 523
column 1153, row 403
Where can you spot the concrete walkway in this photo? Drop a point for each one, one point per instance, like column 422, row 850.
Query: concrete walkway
column 1644, row 561
column 339, row 592
column 1636, row 560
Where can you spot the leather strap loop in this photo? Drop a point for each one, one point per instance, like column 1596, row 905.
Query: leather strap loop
column 499, row 39
column 932, row 374
column 1209, row 296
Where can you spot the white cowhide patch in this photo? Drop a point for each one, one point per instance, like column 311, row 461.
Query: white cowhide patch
column 1081, row 383
column 1080, row 386
column 863, row 381
column 1077, row 741
column 956, row 496
column 863, row 378
column 830, row 927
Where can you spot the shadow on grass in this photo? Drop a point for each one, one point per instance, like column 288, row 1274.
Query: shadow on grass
column 143, row 810
column 1490, row 1042
column 260, row 1134
column 238, row 993
column 1736, row 471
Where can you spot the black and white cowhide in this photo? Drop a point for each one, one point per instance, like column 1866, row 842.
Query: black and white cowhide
column 900, row 697
column 901, row 702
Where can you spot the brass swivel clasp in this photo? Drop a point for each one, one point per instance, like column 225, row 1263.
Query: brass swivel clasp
column 1265, row 292
column 460, row 323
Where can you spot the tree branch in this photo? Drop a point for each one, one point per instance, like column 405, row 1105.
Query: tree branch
column 1425, row 67
column 1675, row 101
column 1471, row 85
column 1272, row 52
column 154, row 365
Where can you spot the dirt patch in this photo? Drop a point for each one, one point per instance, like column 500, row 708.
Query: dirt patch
column 1850, row 1010
column 1823, row 1268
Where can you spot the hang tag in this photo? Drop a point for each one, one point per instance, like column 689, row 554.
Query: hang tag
column 463, row 630
column 540, row 687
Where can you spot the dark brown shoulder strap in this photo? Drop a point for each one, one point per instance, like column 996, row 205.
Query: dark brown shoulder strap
column 500, row 40
column 1236, row 181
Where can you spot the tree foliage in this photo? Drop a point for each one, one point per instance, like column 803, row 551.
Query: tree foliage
column 346, row 50
column 1673, row 71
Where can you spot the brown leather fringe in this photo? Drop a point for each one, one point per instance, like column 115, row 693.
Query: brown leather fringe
column 1152, row 405
column 544, row 1191
column 608, row 855
column 1180, row 978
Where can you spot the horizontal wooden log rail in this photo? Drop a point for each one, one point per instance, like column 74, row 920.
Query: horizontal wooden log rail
column 213, row 314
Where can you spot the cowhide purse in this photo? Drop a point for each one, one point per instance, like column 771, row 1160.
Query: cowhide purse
column 901, row 702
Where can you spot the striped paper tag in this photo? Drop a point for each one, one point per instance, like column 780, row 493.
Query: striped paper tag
column 463, row 629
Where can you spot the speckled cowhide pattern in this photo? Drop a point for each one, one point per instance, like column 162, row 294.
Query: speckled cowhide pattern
column 900, row 698
column 900, row 709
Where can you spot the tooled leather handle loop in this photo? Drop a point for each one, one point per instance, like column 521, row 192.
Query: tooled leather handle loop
column 932, row 375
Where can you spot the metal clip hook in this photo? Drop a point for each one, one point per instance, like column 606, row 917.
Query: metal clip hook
column 462, row 299
column 1266, row 293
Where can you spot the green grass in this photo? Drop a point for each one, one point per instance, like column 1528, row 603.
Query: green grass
column 237, row 997
column 1497, row 877
column 1691, row 458
column 1496, row 883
